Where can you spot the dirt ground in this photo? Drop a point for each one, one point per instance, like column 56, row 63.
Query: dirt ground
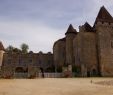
column 58, row 86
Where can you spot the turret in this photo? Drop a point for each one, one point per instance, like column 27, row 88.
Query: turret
column 70, row 35
column 103, row 27
column 103, row 18
column 86, row 28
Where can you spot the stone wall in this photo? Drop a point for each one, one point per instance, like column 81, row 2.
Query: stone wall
column 59, row 54
column 105, row 48
column 29, row 63
column 85, row 52
column 69, row 49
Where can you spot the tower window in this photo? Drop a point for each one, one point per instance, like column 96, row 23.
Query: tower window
column 111, row 44
column 30, row 60
column 102, row 22
column 39, row 61
column 109, row 23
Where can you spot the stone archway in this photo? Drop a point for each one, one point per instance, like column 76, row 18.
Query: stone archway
column 94, row 72
column 88, row 74
column 48, row 69
column 42, row 71
column 21, row 72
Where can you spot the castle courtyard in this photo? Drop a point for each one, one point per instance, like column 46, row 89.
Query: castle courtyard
column 57, row 86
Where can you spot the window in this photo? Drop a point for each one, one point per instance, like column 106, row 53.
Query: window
column 111, row 44
column 49, row 61
column 111, row 35
column 102, row 22
column 30, row 60
column 39, row 61
column 109, row 23
column 63, row 54
column 20, row 61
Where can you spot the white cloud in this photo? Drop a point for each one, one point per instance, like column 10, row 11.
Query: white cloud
column 38, row 37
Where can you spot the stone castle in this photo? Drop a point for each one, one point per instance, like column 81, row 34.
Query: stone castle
column 88, row 52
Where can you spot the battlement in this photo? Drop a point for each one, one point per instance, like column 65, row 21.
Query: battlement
column 103, row 24
column 86, row 28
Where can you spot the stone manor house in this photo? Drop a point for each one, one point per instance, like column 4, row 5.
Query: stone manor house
column 88, row 52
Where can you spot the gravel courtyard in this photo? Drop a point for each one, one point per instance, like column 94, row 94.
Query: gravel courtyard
column 60, row 86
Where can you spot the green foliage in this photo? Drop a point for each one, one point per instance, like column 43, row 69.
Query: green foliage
column 59, row 69
column 76, row 69
column 24, row 48
column 16, row 50
column 11, row 49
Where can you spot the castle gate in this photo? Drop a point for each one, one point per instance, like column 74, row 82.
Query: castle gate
column 21, row 72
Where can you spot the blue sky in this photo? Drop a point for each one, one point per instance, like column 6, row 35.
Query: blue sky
column 39, row 23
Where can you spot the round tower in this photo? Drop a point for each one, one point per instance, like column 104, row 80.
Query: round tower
column 104, row 32
column 70, row 35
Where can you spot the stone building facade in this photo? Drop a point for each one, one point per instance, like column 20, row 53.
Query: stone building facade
column 22, row 65
column 88, row 52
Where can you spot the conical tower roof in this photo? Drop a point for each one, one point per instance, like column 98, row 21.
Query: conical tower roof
column 104, row 16
column 1, row 46
column 71, row 30
column 87, row 27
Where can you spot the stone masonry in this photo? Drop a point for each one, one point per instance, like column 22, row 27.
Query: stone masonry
column 88, row 52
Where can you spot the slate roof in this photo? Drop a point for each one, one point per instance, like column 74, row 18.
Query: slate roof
column 104, row 16
column 71, row 30
column 88, row 28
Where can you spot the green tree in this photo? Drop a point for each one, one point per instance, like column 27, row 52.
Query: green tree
column 24, row 48
column 16, row 50
column 9, row 48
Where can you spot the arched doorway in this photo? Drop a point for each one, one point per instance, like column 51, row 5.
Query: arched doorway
column 42, row 72
column 88, row 73
column 94, row 72
column 48, row 69
column 21, row 72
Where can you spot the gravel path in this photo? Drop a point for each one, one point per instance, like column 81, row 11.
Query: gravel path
column 61, row 86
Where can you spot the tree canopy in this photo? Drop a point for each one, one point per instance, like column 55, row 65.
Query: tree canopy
column 12, row 49
column 24, row 48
